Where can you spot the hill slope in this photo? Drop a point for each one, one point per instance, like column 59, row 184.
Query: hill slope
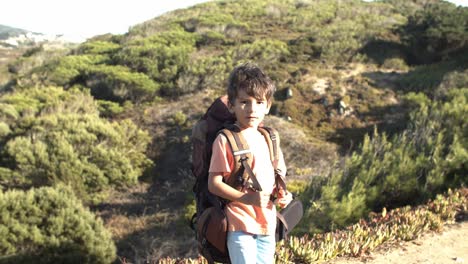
column 350, row 66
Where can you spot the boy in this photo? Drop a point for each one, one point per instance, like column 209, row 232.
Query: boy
column 251, row 214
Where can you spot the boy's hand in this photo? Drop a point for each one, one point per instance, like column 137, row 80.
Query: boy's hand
column 260, row 199
column 285, row 200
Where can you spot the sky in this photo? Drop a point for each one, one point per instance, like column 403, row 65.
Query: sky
column 81, row 19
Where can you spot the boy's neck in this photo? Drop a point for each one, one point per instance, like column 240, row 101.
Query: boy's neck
column 246, row 129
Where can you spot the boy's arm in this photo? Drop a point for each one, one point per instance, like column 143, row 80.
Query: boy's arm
column 284, row 197
column 217, row 187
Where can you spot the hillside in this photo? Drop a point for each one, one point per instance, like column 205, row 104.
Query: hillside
column 369, row 101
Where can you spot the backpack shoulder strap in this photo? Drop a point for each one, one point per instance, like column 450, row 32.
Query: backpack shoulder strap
column 243, row 159
column 272, row 138
column 237, row 146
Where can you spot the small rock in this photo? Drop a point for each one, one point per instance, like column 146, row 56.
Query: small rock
column 458, row 260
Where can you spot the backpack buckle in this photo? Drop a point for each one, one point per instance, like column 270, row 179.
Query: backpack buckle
column 244, row 158
column 241, row 152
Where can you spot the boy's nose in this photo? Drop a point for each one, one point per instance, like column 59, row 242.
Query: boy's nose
column 253, row 108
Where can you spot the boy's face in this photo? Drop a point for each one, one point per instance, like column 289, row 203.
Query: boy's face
column 248, row 110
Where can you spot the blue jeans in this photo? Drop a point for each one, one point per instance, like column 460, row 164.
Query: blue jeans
column 246, row 248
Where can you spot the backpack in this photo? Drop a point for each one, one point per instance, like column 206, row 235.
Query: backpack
column 209, row 221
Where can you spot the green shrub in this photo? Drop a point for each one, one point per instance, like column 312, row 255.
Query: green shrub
column 178, row 119
column 436, row 32
column 217, row 22
column 162, row 57
column 202, row 73
column 109, row 109
column 426, row 78
column 66, row 70
column 264, row 52
column 98, row 47
column 429, row 157
column 50, row 225
column 309, row 14
column 33, row 58
column 58, row 136
column 455, row 79
column 395, row 64
column 339, row 41
column 119, row 83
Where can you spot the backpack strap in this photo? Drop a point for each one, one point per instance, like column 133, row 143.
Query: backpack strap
column 273, row 140
column 243, row 157
column 243, row 161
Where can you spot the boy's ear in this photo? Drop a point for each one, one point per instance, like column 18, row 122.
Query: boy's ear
column 268, row 108
column 230, row 107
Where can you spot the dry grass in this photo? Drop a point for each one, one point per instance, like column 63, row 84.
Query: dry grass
column 305, row 156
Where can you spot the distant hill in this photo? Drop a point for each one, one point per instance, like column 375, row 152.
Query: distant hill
column 15, row 37
column 7, row 32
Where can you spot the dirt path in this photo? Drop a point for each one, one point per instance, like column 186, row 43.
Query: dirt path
column 448, row 247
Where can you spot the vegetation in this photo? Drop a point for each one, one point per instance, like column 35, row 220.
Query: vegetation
column 52, row 136
column 436, row 32
column 50, row 225
column 402, row 224
column 371, row 101
column 409, row 168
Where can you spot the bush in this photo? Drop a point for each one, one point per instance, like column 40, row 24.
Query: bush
column 395, row 64
column 210, row 72
column 57, row 136
column 426, row 78
column 216, row 22
column 429, row 157
column 436, row 32
column 119, row 83
column 50, row 225
column 265, row 52
column 455, row 79
column 98, row 47
column 109, row 109
column 67, row 70
column 162, row 57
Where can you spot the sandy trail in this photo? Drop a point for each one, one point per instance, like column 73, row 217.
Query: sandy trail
column 448, row 247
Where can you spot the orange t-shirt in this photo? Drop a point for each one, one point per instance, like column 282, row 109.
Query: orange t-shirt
column 242, row 217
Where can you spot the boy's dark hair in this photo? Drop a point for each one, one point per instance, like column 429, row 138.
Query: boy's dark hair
column 250, row 78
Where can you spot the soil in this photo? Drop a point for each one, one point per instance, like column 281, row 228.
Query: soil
column 448, row 247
